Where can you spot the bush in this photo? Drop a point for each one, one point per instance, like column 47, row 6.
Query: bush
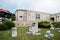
column 33, row 23
column 13, row 18
column 2, row 27
column 44, row 24
column 7, row 25
column 56, row 24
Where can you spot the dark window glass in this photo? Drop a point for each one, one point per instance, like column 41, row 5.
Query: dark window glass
column 5, row 15
column 37, row 16
column 52, row 19
column 0, row 14
column 58, row 16
column 20, row 16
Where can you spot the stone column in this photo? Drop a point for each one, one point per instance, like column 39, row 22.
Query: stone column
column 36, row 26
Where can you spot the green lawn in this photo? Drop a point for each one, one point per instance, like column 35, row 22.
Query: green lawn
column 6, row 35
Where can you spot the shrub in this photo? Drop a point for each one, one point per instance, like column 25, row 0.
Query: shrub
column 13, row 18
column 7, row 25
column 2, row 27
column 44, row 24
column 33, row 23
column 56, row 24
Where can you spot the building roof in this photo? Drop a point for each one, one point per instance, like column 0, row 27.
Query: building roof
column 3, row 10
column 32, row 11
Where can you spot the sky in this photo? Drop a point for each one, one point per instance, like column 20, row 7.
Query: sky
column 48, row 6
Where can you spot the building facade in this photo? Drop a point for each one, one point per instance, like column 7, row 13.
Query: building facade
column 55, row 17
column 4, row 14
column 26, row 17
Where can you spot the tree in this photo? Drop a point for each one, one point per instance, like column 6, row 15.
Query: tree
column 13, row 17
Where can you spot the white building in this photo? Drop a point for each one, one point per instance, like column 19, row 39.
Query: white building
column 55, row 17
column 25, row 17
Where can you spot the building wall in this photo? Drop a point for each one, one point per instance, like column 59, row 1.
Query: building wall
column 29, row 16
column 20, row 15
column 53, row 16
column 56, row 17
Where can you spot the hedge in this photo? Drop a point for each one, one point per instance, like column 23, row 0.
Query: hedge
column 44, row 24
column 2, row 27
column 56, row 24
column 6, row 25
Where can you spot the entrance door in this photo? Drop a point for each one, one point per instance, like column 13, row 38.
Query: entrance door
column 52, row 19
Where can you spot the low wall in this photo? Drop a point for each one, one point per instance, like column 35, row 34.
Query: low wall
column 22, row 23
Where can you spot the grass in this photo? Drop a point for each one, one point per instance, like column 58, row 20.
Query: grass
column 6, row 35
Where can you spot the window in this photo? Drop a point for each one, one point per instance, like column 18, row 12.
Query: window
column 37, row 16
column 58, row 16
column 52, row 19
column 20, row 16
column 0, row 14
column 5, row 15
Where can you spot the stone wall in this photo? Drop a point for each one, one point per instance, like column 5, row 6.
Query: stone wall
column 26, row 17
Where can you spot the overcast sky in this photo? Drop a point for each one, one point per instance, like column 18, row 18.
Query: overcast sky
column 49, row 6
